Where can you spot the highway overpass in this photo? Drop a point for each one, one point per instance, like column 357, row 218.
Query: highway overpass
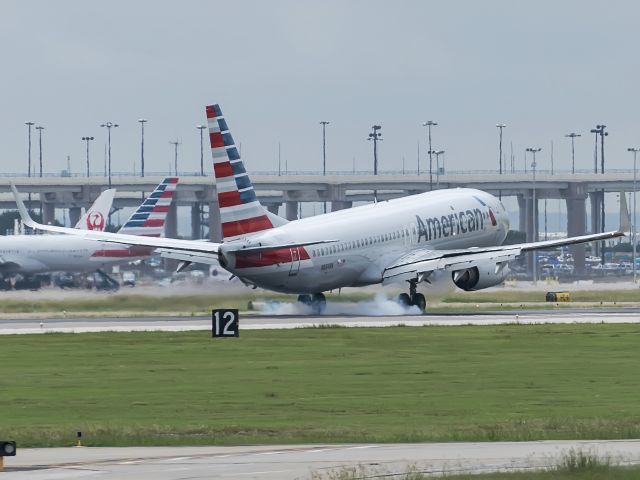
column 340, row 191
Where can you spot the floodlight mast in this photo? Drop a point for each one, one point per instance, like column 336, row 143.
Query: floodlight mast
column 534, row 150
column 429, row 124
column 573, row 136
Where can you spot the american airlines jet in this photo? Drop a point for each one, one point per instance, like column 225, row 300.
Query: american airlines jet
column 411, row 240
column 34, row 254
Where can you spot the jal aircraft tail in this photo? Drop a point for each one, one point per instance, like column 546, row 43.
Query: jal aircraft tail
column 240, row 211
column 95, row 217
column 149, row 218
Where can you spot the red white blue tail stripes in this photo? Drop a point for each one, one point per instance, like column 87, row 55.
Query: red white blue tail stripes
column 148, row 220
column 240, row 210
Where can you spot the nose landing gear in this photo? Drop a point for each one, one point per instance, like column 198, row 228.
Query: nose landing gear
column 413, row 298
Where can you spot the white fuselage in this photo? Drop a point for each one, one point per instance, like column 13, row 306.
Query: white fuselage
column 367, row 239
column 32, row 254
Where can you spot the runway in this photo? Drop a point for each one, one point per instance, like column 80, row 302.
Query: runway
column 298, row 462
column 264, row 322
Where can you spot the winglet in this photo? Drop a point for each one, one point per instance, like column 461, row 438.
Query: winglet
column 24, row 213
column 625, row 224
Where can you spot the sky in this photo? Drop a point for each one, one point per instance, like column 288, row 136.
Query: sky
column 278, row 68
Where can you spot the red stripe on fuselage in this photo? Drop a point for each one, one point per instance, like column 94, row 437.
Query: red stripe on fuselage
column 133, row 251
column 249, row 225
column 167, row 194
column 160, row 209
column 229, row 199
column 223, row 169
column 268, row 258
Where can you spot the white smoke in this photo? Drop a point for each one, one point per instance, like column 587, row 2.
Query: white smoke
column 381, row 305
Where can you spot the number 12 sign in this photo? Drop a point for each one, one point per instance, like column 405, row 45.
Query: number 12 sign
column 225, row 323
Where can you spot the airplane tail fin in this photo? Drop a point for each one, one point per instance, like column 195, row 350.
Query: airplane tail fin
column 148, row 220
column 625, row 223
column 95, row 216
column 240, row 211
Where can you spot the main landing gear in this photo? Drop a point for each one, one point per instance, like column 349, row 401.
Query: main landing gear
column 413, row 298
column 317, row 302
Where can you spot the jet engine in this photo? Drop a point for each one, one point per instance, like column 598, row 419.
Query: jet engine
column 482, row 276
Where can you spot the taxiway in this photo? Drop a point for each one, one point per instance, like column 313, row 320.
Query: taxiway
column 263, row 322
column 300, row 461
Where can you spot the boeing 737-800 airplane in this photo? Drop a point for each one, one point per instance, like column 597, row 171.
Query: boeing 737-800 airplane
column 412, row 239
column 29, row 255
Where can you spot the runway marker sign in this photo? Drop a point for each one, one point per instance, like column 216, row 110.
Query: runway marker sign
column 225, row 323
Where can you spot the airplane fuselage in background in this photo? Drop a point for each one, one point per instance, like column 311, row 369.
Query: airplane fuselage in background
column 368, row 239
column 32, row 254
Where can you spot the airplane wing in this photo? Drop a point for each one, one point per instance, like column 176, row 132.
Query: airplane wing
column 421, row 263
column 195, row 251
column 200, row 247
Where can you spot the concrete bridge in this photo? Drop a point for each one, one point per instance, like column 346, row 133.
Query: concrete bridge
column 340, row 191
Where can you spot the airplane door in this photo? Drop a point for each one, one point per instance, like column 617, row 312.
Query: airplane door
column 295, row 262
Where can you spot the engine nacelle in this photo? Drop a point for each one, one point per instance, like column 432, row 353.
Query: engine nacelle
column 483, row 276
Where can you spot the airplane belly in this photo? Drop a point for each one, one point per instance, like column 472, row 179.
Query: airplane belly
column 310, row 277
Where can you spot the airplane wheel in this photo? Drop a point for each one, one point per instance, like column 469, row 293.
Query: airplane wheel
column 304, row 299
column 318, row 302
column 404, row 299
column 419, row 301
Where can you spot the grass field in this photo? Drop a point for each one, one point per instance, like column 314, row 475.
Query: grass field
column 202, row 304
column 398, row 384
column 598, row 472
column 592, row 472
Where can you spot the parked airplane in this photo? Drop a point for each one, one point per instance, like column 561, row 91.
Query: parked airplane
column 29, row 255
column 411, row 239
column 94, row 217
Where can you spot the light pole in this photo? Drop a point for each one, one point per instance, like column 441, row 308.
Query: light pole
column 87, row 139
column 535, row 212
column 595, row 151
column 429, row 124
column 599, row 130
column 142, row 121
column 29, row 125
column 109, row 126
column 40, row 128
column 635, row 150
column 324, row 155
column 201, row 128
column 175, row 158
column 500, row 126
column 375, row 136
column 437, row 153
column 602, row 133
column 572, row 136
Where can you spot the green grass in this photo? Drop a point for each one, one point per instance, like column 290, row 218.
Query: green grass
column 201, row 304
column 410, row 384
column 600, row 472
column 573, row 465
column 520, row 295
